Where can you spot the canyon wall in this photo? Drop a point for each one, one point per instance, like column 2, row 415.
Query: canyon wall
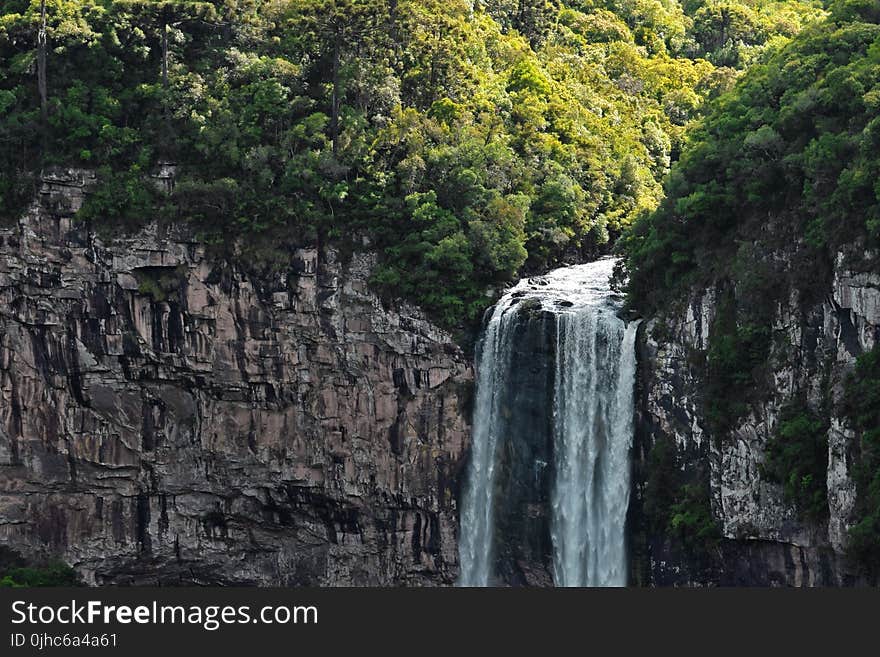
column 167, row 419
column 764, row 540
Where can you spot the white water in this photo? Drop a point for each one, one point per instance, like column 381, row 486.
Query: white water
column 592, row 428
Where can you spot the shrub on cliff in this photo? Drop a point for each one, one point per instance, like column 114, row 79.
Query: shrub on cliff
column 17, row 572
column 797, row 458
column 678, row 507
column 862, row 407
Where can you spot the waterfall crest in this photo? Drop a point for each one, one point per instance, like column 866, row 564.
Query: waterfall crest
column 587, row 414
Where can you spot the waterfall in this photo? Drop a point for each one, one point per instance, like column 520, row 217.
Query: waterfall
column 581, row 396
column 494, row 353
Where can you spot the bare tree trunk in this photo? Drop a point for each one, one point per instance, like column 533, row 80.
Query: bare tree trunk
column 165, row 55
column 392, row 19
column 432, row 81
column 166, row 110
column 335, row 100
column 41, row 65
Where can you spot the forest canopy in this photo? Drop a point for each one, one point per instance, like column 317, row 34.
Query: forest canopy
column 796, row 144
column 464, row 140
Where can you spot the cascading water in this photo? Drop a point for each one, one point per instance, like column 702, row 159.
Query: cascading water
column 584, row 399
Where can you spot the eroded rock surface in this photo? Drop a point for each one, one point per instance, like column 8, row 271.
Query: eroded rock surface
column 814, row 347
column 165, row 418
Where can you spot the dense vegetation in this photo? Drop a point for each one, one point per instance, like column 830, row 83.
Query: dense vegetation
column 738, row 349
column 797, row 142
column 862, row 406
column 677, row 504
column 797, row 458
column 465, row 140
column 52, row 575
column 17, row 572
column 469, row 140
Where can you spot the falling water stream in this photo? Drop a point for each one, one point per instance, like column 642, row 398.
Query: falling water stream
column 589, row 418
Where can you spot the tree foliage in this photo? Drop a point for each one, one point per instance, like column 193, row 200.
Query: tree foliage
column 861, row 405
column 17, row 572
column 797, row 140
column 797, row 458
column 465, row 140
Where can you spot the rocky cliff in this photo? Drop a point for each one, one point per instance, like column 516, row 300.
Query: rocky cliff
column 165, row 418
column 763, row 538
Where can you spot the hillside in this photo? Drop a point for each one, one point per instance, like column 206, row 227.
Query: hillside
column 466, row 141
column 247, row 246
column 767, row 241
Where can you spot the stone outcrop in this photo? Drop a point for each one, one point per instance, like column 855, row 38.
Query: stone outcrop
column 166, row 418
column 814, row 347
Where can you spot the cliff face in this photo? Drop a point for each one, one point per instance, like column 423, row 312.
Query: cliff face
column 165, row 418
column 764, row 540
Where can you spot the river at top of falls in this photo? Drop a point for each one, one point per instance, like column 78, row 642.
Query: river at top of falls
column 585, row 400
